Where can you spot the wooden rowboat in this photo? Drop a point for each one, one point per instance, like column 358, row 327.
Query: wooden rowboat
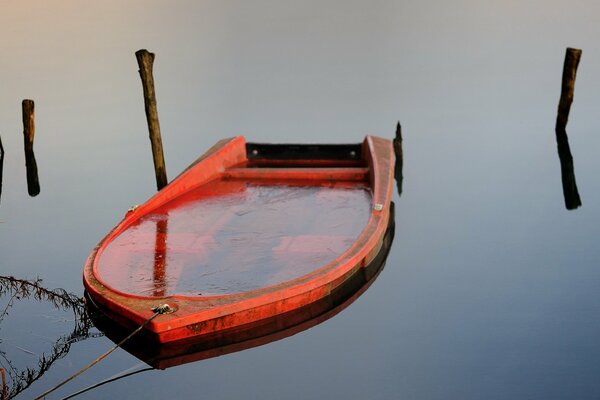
column 248, row 232
column 251, row 335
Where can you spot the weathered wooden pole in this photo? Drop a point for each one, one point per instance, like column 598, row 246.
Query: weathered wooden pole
column 572, row 58
column 33, row 183
column 145, row 61
column 399, row 158
column 570, row 192
column 1, row 164
column 4, row 392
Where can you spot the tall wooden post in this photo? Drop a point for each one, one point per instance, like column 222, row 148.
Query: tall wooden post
column 572, row 58
column 1, row 164
column 4, row 392
column 33, row 183
column 145, row 61
column 570, row 192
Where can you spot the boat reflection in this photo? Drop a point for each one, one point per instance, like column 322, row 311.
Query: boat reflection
column 252, row 335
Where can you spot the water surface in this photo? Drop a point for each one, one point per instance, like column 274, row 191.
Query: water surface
column 491, row 287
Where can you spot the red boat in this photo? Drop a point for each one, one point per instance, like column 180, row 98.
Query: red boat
column 248, row 232
column 250, row 335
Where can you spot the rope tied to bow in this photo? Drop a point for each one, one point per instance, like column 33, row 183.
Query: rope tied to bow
column 158, row 310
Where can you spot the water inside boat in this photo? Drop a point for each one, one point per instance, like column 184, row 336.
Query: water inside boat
column 233, row 236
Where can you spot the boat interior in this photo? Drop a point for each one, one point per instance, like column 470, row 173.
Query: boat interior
column 280, row 213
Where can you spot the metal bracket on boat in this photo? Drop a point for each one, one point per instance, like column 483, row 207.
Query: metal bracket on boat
column 163, row 309
column 378, row 207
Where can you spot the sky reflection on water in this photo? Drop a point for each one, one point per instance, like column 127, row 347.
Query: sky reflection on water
column 491, row 287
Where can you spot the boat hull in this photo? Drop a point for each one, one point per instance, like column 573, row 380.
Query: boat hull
column 251, row 335
column 231, row 171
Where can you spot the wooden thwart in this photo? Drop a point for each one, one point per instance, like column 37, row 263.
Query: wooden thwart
column 325, row 174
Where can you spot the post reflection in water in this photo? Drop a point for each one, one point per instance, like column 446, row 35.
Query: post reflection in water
column 567, row 169
column 259, row 333
column 33, row 181
column 398, row 166
column 160, row 257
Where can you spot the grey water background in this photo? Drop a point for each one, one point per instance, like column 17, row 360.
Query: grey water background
column 491, row 287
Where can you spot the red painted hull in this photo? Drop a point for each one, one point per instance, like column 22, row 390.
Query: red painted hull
column 250, row 335
column 246, row 233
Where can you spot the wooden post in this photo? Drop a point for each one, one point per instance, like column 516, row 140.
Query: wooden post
column 399, row 158
column 33, row 183
column 145, row 61
column 1, row 164
column 4, row 394
column 570, row 192
column 572, row 58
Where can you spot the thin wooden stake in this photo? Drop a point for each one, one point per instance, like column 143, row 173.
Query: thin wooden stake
column 33, row 182
column 145, row 61
column 570, row 192
column 572, row 58
column 399, row 158
column 4, row 394
column 1, row 164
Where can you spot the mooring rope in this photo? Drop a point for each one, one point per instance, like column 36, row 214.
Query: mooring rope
column 161, row 309
column 122, row 375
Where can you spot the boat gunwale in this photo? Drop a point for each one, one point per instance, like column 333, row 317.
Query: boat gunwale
column 355, row 256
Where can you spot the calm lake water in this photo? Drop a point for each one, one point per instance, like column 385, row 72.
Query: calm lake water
column 491, row 289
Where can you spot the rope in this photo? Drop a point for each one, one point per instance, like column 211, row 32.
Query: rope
column 109, row 380
column 161, row 309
